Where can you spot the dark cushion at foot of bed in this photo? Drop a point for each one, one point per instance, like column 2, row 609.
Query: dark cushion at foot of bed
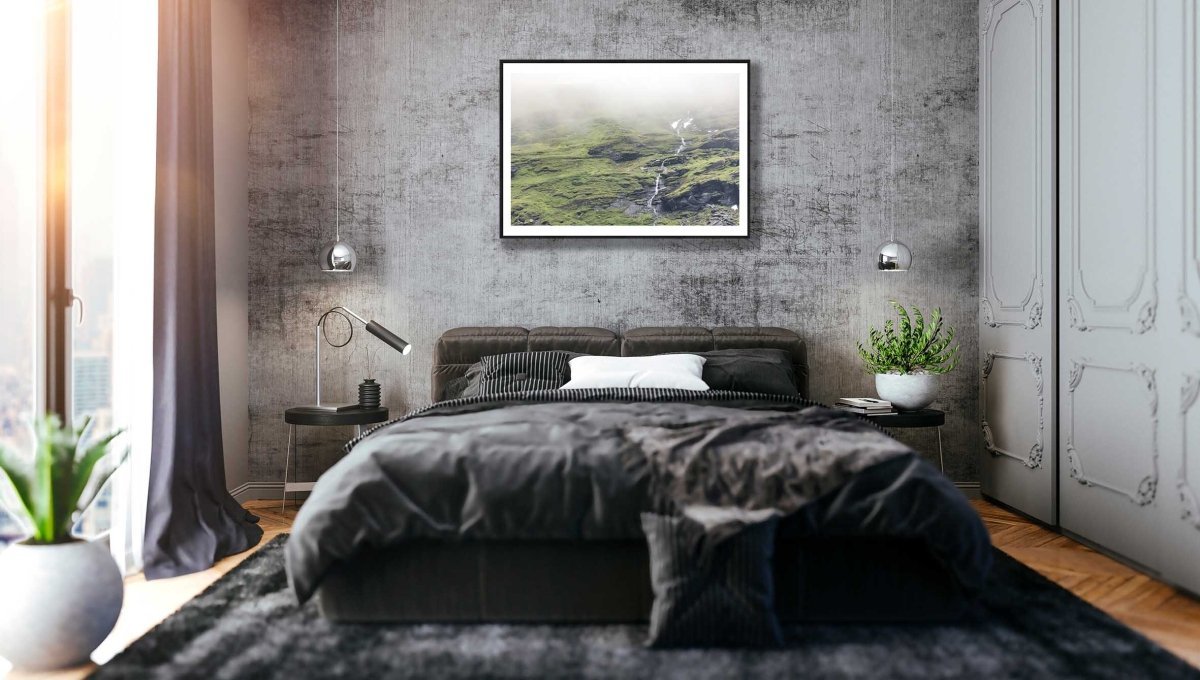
column 816, row 579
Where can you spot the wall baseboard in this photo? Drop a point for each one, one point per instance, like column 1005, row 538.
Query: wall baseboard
column 262, row 491
column 970, row 490
column 273, row 491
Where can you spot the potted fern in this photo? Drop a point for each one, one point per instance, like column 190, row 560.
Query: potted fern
column 908, row 357
column 61, row 595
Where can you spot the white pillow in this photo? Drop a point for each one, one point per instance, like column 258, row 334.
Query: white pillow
column 678, row 371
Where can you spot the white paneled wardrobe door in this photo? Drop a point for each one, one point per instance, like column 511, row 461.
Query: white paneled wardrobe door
column 1016, row 240
column 1181, row 266
column 1126, row 278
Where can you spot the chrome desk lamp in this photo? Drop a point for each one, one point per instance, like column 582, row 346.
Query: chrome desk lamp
column 374, row 328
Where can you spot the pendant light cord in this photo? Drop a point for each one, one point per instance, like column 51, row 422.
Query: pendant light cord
column 337, row 121
column 892, row 115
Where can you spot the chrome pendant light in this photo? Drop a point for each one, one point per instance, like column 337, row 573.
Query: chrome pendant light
column 337, row 256
column 892, row 255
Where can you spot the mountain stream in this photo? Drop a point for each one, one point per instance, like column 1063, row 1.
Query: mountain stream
column 678, row 127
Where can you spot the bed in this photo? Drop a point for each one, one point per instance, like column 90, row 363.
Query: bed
column 408, row 528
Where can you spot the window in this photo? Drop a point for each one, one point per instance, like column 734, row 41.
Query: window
column 114, row 61
column 77, row 150
column 21, row 204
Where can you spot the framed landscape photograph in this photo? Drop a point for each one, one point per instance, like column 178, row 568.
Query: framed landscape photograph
column 624, row 148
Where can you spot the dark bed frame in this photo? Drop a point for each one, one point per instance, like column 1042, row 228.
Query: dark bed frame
column 826, row 578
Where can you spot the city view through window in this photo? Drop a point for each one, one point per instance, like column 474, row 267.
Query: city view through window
column 91, row 371
column 95, row 202
column 20, row 205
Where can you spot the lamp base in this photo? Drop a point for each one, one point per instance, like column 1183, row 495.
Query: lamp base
column 333, row 408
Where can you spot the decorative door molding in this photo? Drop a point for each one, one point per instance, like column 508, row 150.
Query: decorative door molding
column 994, row 311
column 1138, row 311
column 1033, row 459
column 1187, row 495
column 1144, row 491
column 1189, row 282
column 988, row 25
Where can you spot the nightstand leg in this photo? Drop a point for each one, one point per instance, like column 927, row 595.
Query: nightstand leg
column 941, row 461
column 287, row 457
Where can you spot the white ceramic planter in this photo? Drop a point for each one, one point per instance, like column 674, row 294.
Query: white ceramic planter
column 59, row 602
column 907, row 391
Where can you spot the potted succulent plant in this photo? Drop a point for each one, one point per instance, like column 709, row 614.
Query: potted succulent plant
column 61, row 595
column 908, row 358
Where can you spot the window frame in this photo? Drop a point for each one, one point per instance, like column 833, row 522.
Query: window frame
column 54, row 393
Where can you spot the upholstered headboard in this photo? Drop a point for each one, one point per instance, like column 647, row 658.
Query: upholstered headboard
column 458, row 348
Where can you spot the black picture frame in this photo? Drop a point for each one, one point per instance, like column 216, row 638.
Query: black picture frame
column 742, row 230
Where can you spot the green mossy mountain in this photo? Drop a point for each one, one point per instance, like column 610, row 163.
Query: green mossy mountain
column 603, row 171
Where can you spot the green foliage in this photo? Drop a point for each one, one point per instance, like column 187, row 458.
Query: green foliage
column 63, row 478
column 600, row 172
column 915, row 345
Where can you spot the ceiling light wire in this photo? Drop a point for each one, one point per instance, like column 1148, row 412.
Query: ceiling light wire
column 892, row 115
column 337, row 121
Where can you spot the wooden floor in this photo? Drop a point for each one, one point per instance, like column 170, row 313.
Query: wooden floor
column 1160, row 612
column 1166, row 615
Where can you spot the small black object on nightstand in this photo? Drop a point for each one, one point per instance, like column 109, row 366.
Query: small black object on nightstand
column 369, row 394
column 926, row 417
column 316, row 417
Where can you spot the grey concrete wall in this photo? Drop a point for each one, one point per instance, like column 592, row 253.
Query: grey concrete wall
column 420, row 188
column 231, row 130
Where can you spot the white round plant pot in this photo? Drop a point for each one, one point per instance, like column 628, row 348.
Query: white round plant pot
column 907, row 391
column 59, row 603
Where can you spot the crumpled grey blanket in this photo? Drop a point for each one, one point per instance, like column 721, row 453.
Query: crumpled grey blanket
column 583, row 464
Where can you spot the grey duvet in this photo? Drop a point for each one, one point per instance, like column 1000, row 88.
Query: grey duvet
column 583, row 464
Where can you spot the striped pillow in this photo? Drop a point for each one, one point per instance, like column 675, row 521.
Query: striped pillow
column 708, row 595
column 524, row 371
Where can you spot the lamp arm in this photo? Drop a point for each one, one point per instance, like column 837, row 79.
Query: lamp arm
column 317, row 372
column 317, row 342
column 348, row 311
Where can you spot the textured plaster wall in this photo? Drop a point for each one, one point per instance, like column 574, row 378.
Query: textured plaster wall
column 419, row 188
column 231, row 123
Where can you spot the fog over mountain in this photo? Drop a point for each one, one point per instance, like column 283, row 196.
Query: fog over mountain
column 550, row 100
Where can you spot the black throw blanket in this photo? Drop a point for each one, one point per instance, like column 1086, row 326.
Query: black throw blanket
column 583, row 464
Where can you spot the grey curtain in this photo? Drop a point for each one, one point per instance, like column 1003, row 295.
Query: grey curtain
column 191, row 520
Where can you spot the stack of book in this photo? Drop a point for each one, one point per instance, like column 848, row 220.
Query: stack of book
column 867, row 406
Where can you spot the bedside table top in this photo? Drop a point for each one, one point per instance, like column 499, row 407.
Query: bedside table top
column 307, row 415
column 926, row 417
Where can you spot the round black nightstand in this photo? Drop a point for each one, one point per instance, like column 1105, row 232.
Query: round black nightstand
column 926, row 417
column 316, row 417
column 307, row 415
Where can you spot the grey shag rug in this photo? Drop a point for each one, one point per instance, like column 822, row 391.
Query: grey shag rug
column 247, row 625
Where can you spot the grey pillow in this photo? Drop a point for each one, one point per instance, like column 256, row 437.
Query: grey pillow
column 762, row 370
column 523, row 372
column 710, row 593
column 466, row 385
